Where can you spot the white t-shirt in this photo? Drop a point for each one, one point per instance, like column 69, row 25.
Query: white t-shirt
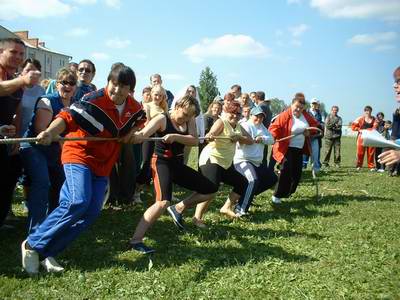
column 299, row 125
column 120, row 108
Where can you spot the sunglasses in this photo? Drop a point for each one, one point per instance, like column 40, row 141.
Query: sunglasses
column 66, row 82
column 87, row 70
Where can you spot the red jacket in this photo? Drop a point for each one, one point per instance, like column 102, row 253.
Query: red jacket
column 281, row 127
column 96, row 115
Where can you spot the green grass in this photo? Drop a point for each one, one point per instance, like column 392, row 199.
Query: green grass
column 344, row 246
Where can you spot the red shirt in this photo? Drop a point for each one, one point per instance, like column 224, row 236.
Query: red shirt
column 281, row 127
column 100, row 157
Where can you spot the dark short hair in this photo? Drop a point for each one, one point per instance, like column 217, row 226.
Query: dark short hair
column 368, row 108
column 122, row 75
column 260, row 95
column 380, row 113
column 12, row 40
column 88, row 61
column 32, row 61
column 146, row 89
column 299, row 97
column 236, row 86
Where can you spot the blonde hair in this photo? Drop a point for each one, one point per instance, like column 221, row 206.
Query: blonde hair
column 211, row 105
column 163, row 103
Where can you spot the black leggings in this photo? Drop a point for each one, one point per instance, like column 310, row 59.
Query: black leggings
column 291, row 170
column 217, row 174
column 169, row 171
column 144, row 176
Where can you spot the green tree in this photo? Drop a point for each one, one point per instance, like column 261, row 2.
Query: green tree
column 277, row 106
column 208, row 89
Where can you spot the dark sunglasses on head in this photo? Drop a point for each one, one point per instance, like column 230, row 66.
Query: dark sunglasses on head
column 87, row 70
column 67, row 82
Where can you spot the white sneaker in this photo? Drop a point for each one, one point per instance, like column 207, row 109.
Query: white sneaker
column 30, row 260
column 276, row 200
column 51, row 265
column 358, row 168
column 372, row 170
column 381, row 171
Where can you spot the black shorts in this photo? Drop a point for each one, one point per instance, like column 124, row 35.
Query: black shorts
column 168, row 171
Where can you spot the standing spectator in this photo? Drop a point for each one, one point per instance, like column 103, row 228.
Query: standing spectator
column 333, row 134
column 31, row 94
column 156, row 79
column 42, row 164
column 382, row 130
column 87, row 165
column 246, row 101
column 315, row 140
column 86, row 71
column 365, row 122
column 12, row 53
column 245, row 114
column 289, row 152
column 265, row 106
column 213, row 112
column 236, row 90
column 253, row 98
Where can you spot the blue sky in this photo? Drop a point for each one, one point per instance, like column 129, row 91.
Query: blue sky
column 342, row 52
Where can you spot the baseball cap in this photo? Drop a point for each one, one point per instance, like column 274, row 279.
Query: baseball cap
column 314, row 100
column 256, row 110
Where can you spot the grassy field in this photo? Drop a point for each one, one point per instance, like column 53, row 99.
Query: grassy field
column 344, row 246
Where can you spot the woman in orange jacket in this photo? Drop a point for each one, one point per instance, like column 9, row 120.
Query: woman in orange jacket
column 365, row 122
column 289, row 152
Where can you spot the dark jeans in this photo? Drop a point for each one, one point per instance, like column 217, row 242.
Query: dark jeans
column 290, row 175
column 10, row 170
column 335, row 145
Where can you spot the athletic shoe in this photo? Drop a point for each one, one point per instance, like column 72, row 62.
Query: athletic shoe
column 30, row 259
column 372, row 170
column 199, row 223
column 176, row 217
column 381, row 171
column 51, row 265
column 358, row 168
column 142, row 248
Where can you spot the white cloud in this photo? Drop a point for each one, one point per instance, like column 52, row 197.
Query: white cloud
column 113, row 3
column 388, row 10
column 229, row 45
column 174, row 77
column 117, row 43
column 12, row 9
column 77, row 32
column 373, row 38
column 298, row 30
column 100, row 55
column 384, row 48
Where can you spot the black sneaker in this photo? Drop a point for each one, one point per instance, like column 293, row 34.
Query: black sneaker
column 177, row 217
column 142, row 248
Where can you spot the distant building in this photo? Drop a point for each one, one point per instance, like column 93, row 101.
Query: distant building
column 50, row 60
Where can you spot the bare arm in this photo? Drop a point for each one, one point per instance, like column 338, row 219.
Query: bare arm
column 55, row 128
column 42, row 119
column 216, row 129
column 7, row 87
